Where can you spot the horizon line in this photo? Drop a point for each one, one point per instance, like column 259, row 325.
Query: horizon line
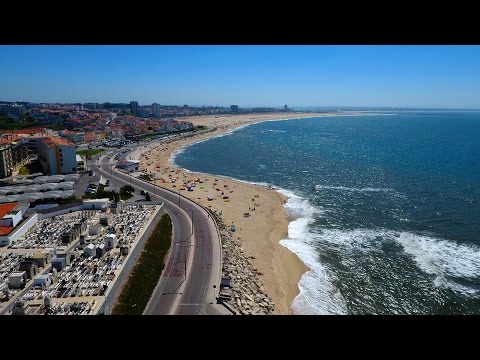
column 291, row 107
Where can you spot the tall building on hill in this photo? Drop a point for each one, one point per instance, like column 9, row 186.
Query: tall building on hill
column 134, row 107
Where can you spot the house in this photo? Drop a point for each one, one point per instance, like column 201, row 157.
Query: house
column 82, row 226
column 65, row 255
column 128, row 165
column 42, row 280
column 17, row 279
column 106, row 219
column 89, row 250
column 110, row 241
column 100, row 250
column 30, row 267
column 67, row 237
column 21, row 308
column 10, row 216
column 95, row 230
column 58, row 263
column 41, row 258
column 124, row 249
column 117, row 207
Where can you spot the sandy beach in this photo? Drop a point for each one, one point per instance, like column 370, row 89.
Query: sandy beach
column 259, row 233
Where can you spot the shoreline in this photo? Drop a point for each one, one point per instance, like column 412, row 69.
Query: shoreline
column 279, row 268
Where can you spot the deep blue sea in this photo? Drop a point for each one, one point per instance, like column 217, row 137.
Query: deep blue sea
column 386, row 207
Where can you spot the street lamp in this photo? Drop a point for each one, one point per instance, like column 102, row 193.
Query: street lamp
column 214, row 297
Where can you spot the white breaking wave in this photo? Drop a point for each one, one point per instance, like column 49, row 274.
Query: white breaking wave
column 174, row 156
column 318, row 295
column 367, row 189
column 444, row 258
column 276, row 131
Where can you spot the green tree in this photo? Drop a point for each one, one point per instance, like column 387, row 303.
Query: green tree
column 127, row 189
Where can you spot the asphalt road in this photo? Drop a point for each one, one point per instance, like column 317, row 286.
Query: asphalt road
column 194, row 265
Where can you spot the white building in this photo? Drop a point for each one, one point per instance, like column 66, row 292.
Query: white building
column 77, row 137
column 110, row 241
column 11, row 219
column 57, row 156
column 128, row 165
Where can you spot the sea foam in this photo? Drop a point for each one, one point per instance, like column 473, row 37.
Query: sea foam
column 318, row 295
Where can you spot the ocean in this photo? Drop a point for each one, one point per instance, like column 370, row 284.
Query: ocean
column 386, row 207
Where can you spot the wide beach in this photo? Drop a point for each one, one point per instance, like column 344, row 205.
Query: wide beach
column 259, row 233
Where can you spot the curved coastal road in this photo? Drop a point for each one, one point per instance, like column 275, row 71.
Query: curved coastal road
column 194, row 264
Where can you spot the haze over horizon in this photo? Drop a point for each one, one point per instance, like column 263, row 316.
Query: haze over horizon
column 249, row 76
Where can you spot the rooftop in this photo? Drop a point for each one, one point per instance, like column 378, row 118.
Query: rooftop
column 9, row 139
column 52, row 141
column 6, row 208
column 5, row 230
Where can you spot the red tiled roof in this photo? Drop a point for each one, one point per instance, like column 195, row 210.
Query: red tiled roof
column 30, row 131
column 6, row 208
column 56, row 141
column 9, row 139
column 5, row 230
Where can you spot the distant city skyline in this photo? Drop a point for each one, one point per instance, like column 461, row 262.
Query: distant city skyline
column 248, row 76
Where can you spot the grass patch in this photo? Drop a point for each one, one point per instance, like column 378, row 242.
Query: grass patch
column 144, row 276
column 102, row 194
column 90, row 152
column 23, row 171
column 125, row 196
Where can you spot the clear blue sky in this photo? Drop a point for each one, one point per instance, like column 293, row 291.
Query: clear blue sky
column 410, row 76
